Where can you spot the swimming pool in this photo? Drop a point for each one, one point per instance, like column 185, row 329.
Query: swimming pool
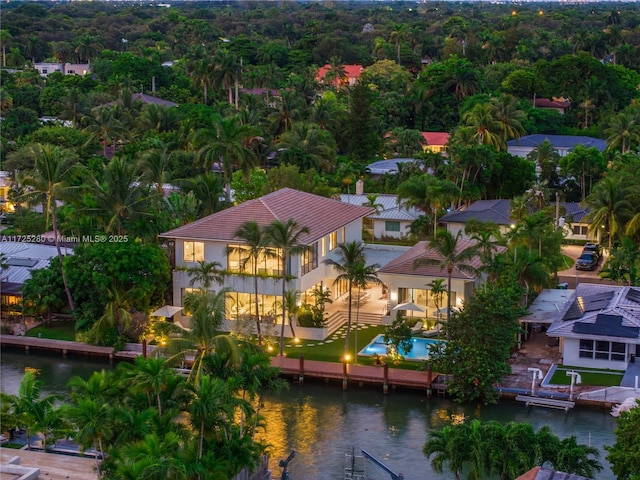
column 419, row 351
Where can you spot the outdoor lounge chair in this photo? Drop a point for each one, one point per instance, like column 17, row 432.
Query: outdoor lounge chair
column 417, row 328
column 431, row 333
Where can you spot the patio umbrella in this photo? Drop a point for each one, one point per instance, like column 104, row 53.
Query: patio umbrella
column 167, row 311
column 409, row 306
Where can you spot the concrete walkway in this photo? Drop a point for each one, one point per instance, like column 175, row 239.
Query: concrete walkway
column 52, row 466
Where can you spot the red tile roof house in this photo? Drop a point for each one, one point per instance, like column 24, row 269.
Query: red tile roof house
column 435, row 142
column 211, row 239
column 352, row 74
column 407, row 284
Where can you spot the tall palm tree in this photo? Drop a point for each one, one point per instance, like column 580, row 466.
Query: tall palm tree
column 209, row 191
column 5, row 38
column 203, row 338
column 226, row 143
column 487, row 130
column 226, row 73
column 508, row 116
column 51, row 178
column 92, row 425
column 103, row 125
column 608, row 208
column 451, row 256
column 120, row 197
column 351, row 268
column 623, row 131
column 254, row 245
column 287, row 238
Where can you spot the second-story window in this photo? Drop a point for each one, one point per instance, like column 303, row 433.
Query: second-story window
column 193, row 252
column 310, row 259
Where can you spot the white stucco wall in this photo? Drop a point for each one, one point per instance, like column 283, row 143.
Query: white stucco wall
column 571, row 357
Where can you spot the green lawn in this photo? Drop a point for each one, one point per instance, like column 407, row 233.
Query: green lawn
column 594, row 377
column 57, row 331
column 332, row 348
column 567, row 262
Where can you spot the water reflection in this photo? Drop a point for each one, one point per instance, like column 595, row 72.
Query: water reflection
column 322, row 423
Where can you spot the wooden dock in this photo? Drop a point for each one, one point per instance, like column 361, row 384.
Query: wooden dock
column 298, row 368
column 64, row 347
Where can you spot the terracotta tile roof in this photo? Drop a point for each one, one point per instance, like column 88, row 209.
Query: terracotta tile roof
column 350, row 71
column 403, row 265
column 435, row 138
column 319, row 214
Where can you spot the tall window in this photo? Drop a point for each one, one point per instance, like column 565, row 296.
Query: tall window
column 323, row 242
column 193, row 252
column 239, row 260
column 344, row 235
column 333, row 240
column 310, row 259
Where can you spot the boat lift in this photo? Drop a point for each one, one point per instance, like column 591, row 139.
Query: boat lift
column 284, row 464
column 394, row 476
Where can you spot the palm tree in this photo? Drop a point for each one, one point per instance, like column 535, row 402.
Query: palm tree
column 351, row 268
column 226, row 73
column 623, row 132
column 92, row 423
column 287, row 238
column 316, row 145
column 204, row 274
column 207, row 313
column 153, row 458
column 608, row 208
column 104, row 126
column 508, row 116
column 75, row 106
column 226, row 143
column 117, row 314
column 547, row 159
column 336, row 74
column 487, row 130
column 51, row 178
column 5, row 38
column 288, row 109
column 254, row 247
column 212, row 407
column 149, row 375
column 450, row 256
column 209, row 191
column 29, row 410
column 362, row 275
column 119, row 198
column 447, row 446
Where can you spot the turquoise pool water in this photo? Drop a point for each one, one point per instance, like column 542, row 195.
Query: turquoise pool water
column 419, row 351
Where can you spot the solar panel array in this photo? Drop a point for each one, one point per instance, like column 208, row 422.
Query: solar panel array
column 592, row 303
column 606, row 326
column 633, row 295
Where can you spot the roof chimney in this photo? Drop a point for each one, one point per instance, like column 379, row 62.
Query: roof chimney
column 360, row 187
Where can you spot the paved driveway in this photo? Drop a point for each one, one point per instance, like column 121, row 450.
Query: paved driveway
column 573, row 276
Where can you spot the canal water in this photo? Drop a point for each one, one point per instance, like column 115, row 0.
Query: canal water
column 322, row 423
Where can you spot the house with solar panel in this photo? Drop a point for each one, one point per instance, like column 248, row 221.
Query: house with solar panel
column 212, row 239
column 599, row 327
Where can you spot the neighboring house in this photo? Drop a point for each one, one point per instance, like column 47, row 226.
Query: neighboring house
column 560, row 105
column 146, row 100
column 499, row 212
column 69, row 68
column 599, row 327
column 5, row 187
column 390, row 166
column 563, row 144
column 406, row 284
column 22, row 258
column 436, row 142
column 390, row 219
column 351, row 75
column 211, row 239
